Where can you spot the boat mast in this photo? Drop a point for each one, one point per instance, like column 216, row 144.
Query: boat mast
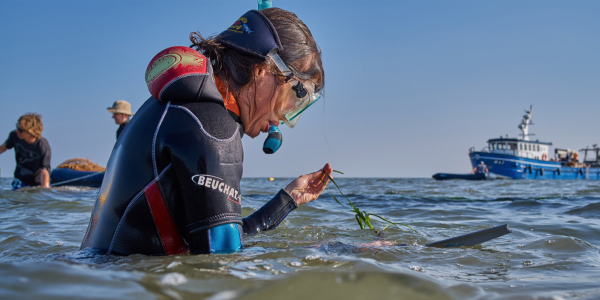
column 524, row 126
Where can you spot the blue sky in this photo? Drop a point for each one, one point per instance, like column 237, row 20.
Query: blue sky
column 410, row 85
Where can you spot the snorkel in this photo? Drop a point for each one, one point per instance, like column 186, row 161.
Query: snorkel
column 274, row 139
column 262, row 4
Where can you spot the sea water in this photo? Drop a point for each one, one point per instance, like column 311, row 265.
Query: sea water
column 319, row 251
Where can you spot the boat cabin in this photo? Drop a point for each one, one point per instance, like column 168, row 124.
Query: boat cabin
column 591, row 156
column 520, row 147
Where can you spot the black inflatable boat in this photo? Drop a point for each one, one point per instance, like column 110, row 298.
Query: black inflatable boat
column 480, row 176
column 62, row 177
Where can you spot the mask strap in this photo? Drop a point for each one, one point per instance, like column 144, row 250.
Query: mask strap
column 281, row 65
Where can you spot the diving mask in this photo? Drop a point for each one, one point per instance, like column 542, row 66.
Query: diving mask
column 302, row 97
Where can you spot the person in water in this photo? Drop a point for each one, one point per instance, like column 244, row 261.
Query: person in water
column 32, row 152
column 481, row 168
column 121, row 113
column 172, row 183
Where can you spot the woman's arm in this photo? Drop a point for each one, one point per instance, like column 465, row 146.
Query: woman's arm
column 45, row 178
column 271, row 214
column 46, row 156
column 302, row 190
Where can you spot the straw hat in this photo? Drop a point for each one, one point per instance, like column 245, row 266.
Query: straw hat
column 120, row 106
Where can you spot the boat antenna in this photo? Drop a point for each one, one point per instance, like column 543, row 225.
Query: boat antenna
column 524, row 126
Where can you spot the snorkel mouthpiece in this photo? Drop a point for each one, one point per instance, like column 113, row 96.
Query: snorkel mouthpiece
column 273, row 141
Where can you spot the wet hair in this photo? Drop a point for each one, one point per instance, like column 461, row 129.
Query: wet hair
column 300, row 52
column 32, row 123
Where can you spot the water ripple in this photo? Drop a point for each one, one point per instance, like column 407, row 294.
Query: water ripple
column 320, row 251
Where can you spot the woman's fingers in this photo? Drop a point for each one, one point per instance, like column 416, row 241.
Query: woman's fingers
column 322, row 178
column 326, row 171
column 308, row 187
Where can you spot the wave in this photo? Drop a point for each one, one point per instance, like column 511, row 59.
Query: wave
column 367, row 284
column 589, row 211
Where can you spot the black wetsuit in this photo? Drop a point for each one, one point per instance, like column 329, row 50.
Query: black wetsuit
column 174, row 179
column 31, row 159
column 121, row 127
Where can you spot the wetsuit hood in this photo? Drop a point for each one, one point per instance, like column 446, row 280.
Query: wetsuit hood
column 181, row 74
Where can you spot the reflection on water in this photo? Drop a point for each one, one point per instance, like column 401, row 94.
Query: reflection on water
column 319, row 252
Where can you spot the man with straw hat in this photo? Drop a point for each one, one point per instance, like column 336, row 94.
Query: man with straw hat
column 121, row 111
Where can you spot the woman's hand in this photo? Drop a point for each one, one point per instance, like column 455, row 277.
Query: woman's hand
column 308, row 187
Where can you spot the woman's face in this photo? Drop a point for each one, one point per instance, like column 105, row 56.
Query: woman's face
column 261, row 102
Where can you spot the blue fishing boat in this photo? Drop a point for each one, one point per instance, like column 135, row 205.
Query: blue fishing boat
column 524, row 158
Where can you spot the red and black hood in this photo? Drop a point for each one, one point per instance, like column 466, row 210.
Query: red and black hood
column 181, row 74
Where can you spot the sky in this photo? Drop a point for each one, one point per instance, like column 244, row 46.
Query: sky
column 410, row 86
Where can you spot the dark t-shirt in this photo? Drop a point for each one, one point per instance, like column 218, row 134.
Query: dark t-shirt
column 480, row 169
column 31, row 158
column 121, row 127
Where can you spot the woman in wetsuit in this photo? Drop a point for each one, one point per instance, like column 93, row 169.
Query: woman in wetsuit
column 172, row 183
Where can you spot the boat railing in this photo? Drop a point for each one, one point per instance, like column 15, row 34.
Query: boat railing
column 524, row 154
column 511, row 152
column 528, row 155
column 506, row 151
column 485, row 149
